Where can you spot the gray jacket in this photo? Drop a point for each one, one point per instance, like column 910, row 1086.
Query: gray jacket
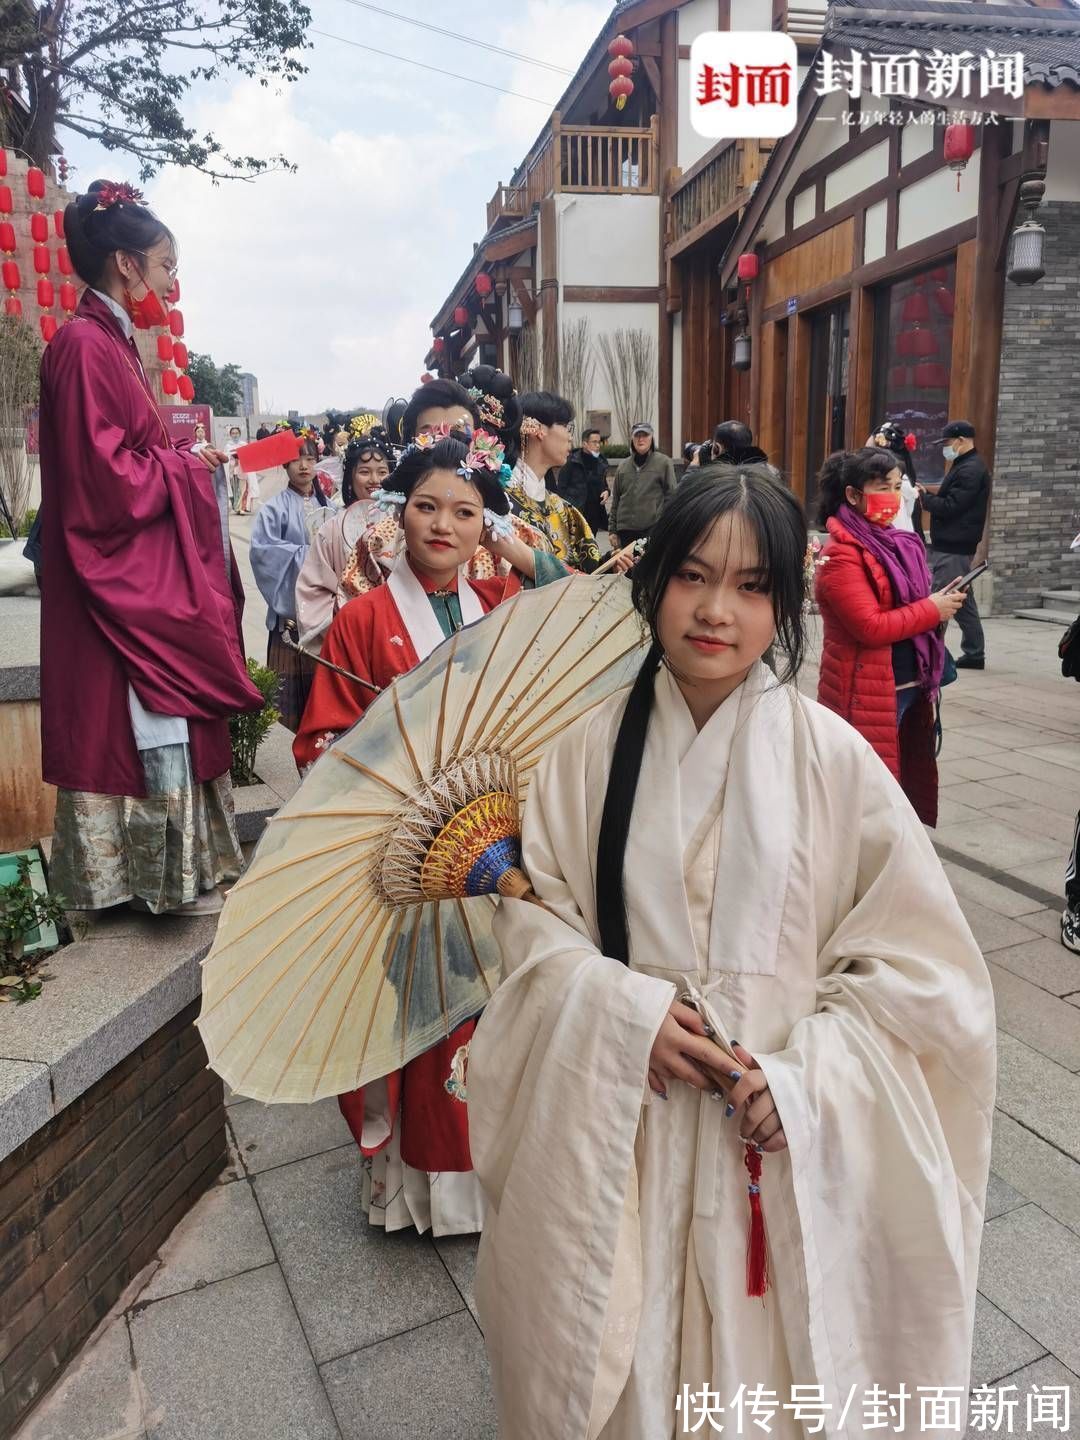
column 638, row 492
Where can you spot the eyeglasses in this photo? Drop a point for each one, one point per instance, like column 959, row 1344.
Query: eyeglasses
column 170, row 270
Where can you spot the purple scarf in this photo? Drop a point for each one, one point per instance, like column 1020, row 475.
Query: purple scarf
column 902, row 555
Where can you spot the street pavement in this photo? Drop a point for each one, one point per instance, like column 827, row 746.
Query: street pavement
column 275, row 1313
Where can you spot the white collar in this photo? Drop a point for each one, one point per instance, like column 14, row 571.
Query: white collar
column 118, row 310
column 531, row 482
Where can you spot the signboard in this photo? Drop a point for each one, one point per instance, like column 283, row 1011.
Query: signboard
column 181, row 420
column 793, row 305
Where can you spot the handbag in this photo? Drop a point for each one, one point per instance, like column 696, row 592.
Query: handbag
column 1069, row 651
column 948, row 672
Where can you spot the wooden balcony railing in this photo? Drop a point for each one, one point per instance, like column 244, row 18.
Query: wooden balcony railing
column 591, row 160
column 715, row 183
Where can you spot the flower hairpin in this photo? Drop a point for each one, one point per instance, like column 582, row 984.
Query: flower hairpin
column 531, row 428
column 388, row 502
column 500, row 526
column 506, row 476
column 360, row 425
column 117, row 193
column 475, row 393
column 486, row 452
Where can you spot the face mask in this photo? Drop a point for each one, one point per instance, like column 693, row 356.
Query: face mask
column 146, row 310
column 949, row 452
column 882, row 509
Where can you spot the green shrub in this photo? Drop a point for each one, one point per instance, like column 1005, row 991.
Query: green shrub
column 28, row 520
column 614, row 451
column 248, row 731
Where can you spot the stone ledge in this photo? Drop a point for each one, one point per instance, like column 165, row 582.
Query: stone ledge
column 126, row 979
column 20, row 676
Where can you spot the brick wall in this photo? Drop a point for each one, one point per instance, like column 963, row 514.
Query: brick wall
column 87, row 1201
column 1037, row 458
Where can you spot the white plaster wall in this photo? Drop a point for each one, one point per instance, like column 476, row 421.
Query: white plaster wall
column 695, row 18
column 934, row 204
column 750, row 15
column 678, row 440
column 915, row 141
column 804, row 207
column 605, row 318
column 691, row 146
column 608, row 239
column 1063, row 171
column 865, row 170
column 874, row 232
column 825, row 135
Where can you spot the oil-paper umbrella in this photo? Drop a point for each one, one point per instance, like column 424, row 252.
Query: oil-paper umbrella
column 360, row 935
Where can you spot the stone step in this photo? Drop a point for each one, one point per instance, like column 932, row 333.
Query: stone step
column 1062, row 598
column 1062, row 618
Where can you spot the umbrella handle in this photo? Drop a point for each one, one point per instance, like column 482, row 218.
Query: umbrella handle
column 610, row 561
column 514, row 884
column 286, row 633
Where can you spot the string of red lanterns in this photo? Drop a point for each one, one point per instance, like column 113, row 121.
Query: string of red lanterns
column 620, row 69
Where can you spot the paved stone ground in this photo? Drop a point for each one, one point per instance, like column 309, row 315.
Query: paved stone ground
column 275, row 1313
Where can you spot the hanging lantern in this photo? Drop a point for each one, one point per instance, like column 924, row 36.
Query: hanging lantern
column 180, row 355
column 945, row 300
column 620, row 66
column 620, row 90
column 164, row 348
column 6, row 203
column 58, row 223
column 35, row 182
column 41, row 259
column 461, row 315
column 48, row 327
column 174, row 294
column 3, row 163
column 916, row 309
column 186, row 388
column 484, row 284
column 13, row 306
column 68, row 296
column 900, row 377
column 438, row 345
column 741, row 352
column 39, row 228
column 7, row 237
column 932, row 376
column 63, row 260
column 749, row 266
column 12, row 278
column 917, row 344
column 941, row 274
column 169, row 382
column 46, row 295
column 622, row 46
column 959, row 148
column 1028, row 243
column 176, row 323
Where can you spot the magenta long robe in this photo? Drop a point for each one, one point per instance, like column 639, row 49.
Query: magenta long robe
column 134, row 581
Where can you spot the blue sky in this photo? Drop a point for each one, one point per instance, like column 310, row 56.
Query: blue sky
column 323, row 283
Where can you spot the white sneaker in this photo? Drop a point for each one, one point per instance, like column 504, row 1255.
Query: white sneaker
column 1070, row 931
column 210, row 903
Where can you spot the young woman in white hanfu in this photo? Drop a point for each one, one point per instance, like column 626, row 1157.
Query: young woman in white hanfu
column 717, row 855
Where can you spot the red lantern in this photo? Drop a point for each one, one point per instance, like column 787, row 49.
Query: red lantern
column 41, row 259
column 932, row 376
column 169, row 382
column 63, row 259
column 941, row 274
column 180, row 355
column 48, row 327
column 620, row 91
column 461, row 315
column 916, row 309
column 174, row 294
column 46, row 295
column 945, row 300
column 438, row 345
column 186, row 388
column 3, row 163
column 12, row 305
column 959, row 148
column 917, row 344
column 68, row 297
column 899, row 378
column 35, row 182
column 426, row 378
column 620, row 66
column 58, row 223
column 12, row 278
column 749, row 266
column 484, row 284
column 176, row 323
column 39, row 228
column 7, row 237
column 621, row 45
column 6, row 204
column 164, row 348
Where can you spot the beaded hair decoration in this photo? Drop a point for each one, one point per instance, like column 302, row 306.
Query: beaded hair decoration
column 531, row 428
column 490, row 408
column 486, row 452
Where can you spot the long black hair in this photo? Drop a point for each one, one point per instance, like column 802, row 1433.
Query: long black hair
column 92, row 235
column 855, row 468
column 419, row 461
column 440, row 395
column 375, row 444
column 778, row 525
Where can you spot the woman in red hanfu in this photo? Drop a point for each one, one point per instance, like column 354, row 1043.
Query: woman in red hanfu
column 449, row 495
column 142, row 656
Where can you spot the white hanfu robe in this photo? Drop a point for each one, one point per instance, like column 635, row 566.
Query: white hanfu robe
column 775, row 868
column 319, row 593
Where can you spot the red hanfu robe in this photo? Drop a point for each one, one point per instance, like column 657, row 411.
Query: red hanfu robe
column 135, row 587
column 369, row 638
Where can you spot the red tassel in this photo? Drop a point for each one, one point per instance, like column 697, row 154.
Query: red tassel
column 757, row 1250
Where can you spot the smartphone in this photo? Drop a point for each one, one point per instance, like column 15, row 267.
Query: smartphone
column 963, row 581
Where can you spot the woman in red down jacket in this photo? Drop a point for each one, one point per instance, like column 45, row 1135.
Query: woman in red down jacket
column 882, row 655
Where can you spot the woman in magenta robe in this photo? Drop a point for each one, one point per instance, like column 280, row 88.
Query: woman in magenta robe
column 142, row 658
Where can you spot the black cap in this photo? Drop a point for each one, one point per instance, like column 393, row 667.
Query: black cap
column 958, row 430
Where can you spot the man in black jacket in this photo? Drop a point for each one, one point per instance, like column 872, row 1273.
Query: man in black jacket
column 583, row 481
column 957, row 509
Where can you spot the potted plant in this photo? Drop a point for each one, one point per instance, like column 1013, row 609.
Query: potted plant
column 248, row 731
column 30, row 921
